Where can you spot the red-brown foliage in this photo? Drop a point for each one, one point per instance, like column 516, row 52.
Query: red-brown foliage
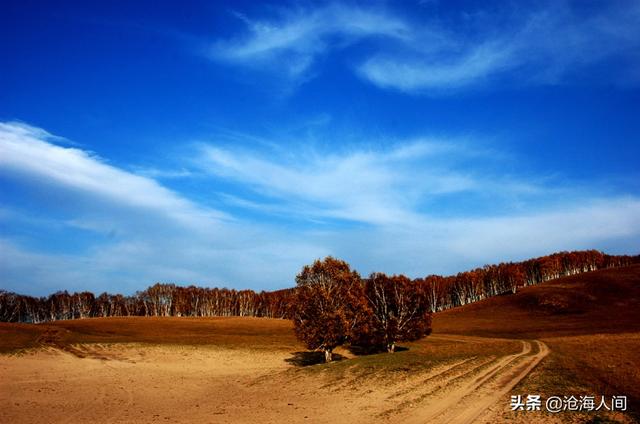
column 329, row 304
column 399, row 311
column 161, row 299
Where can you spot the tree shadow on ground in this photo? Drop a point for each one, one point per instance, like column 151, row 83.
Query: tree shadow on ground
column 372, row 350
column 305, row 359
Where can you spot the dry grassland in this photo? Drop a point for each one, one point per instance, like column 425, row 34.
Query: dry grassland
column 237, row 370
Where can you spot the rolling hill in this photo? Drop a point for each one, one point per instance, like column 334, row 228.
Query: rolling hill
column 591, row 323
column 577, row 335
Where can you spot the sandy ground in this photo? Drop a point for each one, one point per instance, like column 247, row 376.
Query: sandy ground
column 203, row 384
column 480, row 388
column 245, row 370
column 135, row 384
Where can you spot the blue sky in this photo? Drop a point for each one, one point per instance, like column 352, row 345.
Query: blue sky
column 229, row 144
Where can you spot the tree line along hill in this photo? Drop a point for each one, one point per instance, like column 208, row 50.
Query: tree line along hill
column 437, row 292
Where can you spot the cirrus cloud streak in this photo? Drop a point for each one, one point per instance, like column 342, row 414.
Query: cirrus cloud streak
column 379, row 209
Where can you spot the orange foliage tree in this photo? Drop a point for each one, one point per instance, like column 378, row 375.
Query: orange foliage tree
column 329, row 304
column 399, row 310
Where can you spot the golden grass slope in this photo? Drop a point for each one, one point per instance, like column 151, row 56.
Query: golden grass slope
column 236, row 370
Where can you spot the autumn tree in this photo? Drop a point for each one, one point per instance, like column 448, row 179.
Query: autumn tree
column 440, row 293
column 399, row 310
column 81, row 304
column 436, row 289
column 329, row 304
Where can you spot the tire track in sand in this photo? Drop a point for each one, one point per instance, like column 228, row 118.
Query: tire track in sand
column 467, row 402
column 476, row 408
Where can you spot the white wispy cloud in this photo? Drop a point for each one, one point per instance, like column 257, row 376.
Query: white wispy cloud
column 549, row 44
column 138, row 230
column 416, row 73
column 28, row 150
column 369, row 186
column 296, row 38
column 119, row 232
column 543, row 46
column 163, row 173
column 394, row 185
column 449, row 245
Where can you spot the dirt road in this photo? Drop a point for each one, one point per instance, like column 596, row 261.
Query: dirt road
column 469, row 394
column 143, row 383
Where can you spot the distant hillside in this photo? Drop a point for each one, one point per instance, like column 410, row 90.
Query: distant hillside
column 440, row 293
column 604, row 301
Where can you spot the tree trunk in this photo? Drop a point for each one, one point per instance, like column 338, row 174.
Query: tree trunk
column 391, row 347
column 327, row 355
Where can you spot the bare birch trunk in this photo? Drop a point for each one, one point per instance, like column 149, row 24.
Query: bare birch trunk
column 328, row 355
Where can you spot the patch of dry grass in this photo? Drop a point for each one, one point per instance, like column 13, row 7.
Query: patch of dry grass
column 606, row 301
column 228, row 332
column 411, row 359
column 591, row 323
column 17, row 337
column 596, row 365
